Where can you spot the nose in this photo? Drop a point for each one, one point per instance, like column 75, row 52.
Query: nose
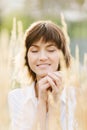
column 43, row 55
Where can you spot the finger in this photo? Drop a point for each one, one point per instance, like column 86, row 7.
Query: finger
column 57, row 74
column 60, row 82
column 52, row 84
column 42, row 81
column 55, row 78
column 45, row 86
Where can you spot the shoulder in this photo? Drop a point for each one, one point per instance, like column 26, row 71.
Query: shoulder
column 15, row 94
column 17, row 99
column 20, row 94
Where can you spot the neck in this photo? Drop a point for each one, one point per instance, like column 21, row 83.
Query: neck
column 36, row 86
column 36, row 89
column 37, row 94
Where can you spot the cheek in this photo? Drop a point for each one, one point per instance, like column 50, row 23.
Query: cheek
column 30, row 57
column 56, row 60
column 31, row 64
column 56, row 57
column 31, row 61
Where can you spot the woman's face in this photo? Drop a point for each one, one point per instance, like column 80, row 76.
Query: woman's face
column 43, row 58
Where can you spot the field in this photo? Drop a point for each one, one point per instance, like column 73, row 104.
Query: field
column 9, row 46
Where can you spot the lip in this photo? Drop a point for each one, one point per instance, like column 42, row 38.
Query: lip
column 44, row 65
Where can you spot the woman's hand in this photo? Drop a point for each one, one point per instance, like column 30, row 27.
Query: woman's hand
column 55, row 80
column 52, row 82
column 43, row 85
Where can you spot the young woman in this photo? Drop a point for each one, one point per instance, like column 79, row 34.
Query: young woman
column 30, row 107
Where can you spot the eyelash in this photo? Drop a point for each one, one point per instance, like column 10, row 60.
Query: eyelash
column 34, row 51
column 51, row 50
column 47, row 50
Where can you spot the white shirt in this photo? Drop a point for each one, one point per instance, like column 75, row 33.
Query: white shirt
column 23, row 108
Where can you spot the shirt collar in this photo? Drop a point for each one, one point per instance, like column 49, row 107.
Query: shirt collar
column 30, row 93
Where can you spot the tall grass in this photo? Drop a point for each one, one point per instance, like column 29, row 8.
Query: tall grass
column 9, row 47
column 4, row 79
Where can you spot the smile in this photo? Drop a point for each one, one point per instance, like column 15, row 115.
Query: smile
column 43, row 65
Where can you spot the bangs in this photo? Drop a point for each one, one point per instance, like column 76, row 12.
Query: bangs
column 45, row 31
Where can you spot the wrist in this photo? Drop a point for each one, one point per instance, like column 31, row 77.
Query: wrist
column 41, row 102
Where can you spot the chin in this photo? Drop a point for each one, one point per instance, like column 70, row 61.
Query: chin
column 42, row 74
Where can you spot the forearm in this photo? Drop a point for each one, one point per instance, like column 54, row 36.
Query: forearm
column 41, row 113
column 54, row 115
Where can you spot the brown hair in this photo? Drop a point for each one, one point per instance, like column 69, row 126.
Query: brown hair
column 48, row 31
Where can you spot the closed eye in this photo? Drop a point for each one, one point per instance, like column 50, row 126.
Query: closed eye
column 34, row 51
column 51, row 50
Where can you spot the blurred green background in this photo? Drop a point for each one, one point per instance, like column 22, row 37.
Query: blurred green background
column 28, row 11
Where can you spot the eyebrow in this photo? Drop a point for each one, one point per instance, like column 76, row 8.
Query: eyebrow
column 34, row 45
column 52, row 44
